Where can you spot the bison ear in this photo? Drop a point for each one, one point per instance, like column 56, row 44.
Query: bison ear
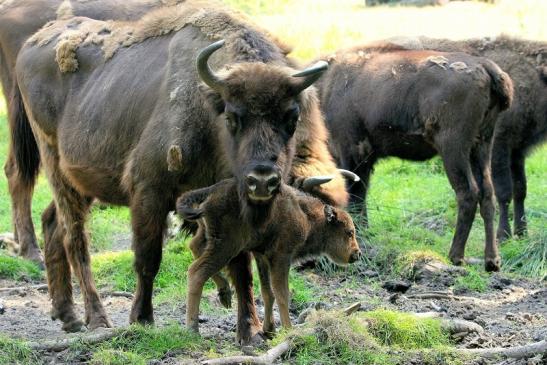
column 330, row 214
column 212, row 99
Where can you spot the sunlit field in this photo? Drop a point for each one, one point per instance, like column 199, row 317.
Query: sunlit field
column 412, row 208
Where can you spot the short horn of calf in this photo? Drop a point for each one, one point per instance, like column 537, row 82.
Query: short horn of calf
column 313, row 181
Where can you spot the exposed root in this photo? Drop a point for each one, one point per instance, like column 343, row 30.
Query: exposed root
column 92, row 338
column 268, row 358
column 23, row 289
column 516, row 352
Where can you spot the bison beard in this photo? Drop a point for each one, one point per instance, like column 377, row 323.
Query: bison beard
column 115, row 150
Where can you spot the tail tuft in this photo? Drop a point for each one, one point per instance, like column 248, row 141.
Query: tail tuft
column 501, row 86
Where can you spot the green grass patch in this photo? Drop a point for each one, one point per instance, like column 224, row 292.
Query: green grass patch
column 475, row 281
column 527, row 256
column 16, row 268
column 139, row 344
column 16, row 352
column 405, row 330
column 369, row 338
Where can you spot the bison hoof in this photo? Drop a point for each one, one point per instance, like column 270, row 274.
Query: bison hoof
column 36, row 257
column 225, row 297
column 457, row 261
column 255, row 340
column 99, row 322
column 73, row 326
column 492, row 264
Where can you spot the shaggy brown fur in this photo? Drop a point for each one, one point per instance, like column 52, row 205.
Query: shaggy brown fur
column 214, row 19
column 18, row 21
column 146, row 99
column 297, row 227
column 519, row 129
column 380, row 101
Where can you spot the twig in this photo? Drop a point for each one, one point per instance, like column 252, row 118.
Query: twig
column 271, row 355
column 95, row 337
column 516, row 352
column 122, row 294
column 352, row 308
column 440, row 295
column 19, row 289
column 460, row 325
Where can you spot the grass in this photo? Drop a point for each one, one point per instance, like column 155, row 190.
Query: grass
column 16, row 352
column 16, row 268
column 376, row 337
column 412, row 208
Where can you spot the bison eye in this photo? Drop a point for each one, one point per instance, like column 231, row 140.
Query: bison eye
column 349, row 232
column 291, row 118
column 232, row 122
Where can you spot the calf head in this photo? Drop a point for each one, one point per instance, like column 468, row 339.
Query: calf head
column 340, row 243
column 261, row 108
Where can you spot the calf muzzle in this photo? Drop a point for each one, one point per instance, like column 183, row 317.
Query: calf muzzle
column 262, row 183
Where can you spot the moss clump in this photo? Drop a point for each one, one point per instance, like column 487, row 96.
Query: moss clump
column 116, row 357
column 405, row 330
column 410, row 263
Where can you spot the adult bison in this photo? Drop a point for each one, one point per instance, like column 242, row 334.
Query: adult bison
column 18, row 21
column 385, row 101
column 108, row 102
column 519, row 129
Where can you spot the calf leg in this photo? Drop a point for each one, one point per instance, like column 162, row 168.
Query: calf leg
column 21, row 199
column 458, row 169
column 248, row 324
column 519, row 192
column 197, row 246
column 149, row 220
column 263, row 267
column 501, row 176
column 481, row 171
column 280, row 282
column 210, row 262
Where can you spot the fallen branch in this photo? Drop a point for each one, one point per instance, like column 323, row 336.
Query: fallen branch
column 516, row 352
column 268, row 358
column 20, row 289
column 122, row 294
column 454, row 326
column 271, row 355
column 441, row 295
column 92, row 338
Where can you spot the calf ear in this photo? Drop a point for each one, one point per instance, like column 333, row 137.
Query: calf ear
column 330, row 214
column 212, row 99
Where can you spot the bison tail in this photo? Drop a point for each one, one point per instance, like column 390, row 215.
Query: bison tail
column 501, row 85
column 189, row 213
column 25, row 148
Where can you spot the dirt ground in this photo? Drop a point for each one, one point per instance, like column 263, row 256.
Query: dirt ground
column 512, row 311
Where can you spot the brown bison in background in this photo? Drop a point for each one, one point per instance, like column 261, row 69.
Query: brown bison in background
column 108, row 100
column 384, row 101
column 18, row 21
column 298, row 226
column 520, row 128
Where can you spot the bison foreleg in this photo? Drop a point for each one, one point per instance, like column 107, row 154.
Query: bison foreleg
column 267, row 294
column 280, row 282
column 249, row 328
column 481, row 170
column 519, row 191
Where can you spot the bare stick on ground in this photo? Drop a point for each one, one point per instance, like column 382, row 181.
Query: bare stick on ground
column 516, row 352
column 92, row 338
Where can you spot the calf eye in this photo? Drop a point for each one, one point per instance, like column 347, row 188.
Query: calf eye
column 349, row 232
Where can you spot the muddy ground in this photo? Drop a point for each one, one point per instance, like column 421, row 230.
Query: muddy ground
column 512, row 311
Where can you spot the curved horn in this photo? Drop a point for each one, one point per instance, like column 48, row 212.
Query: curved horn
column 204, row 72
column 313, row 181
column 310, row 75
column 352, row 176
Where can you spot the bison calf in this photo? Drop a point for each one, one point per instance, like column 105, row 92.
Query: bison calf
column 297, row 226
column 383, row 101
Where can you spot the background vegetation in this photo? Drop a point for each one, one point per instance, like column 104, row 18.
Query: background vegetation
column 412, row 209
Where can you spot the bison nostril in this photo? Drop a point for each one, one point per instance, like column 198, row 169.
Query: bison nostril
column 355, row 256
column 273, row 182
